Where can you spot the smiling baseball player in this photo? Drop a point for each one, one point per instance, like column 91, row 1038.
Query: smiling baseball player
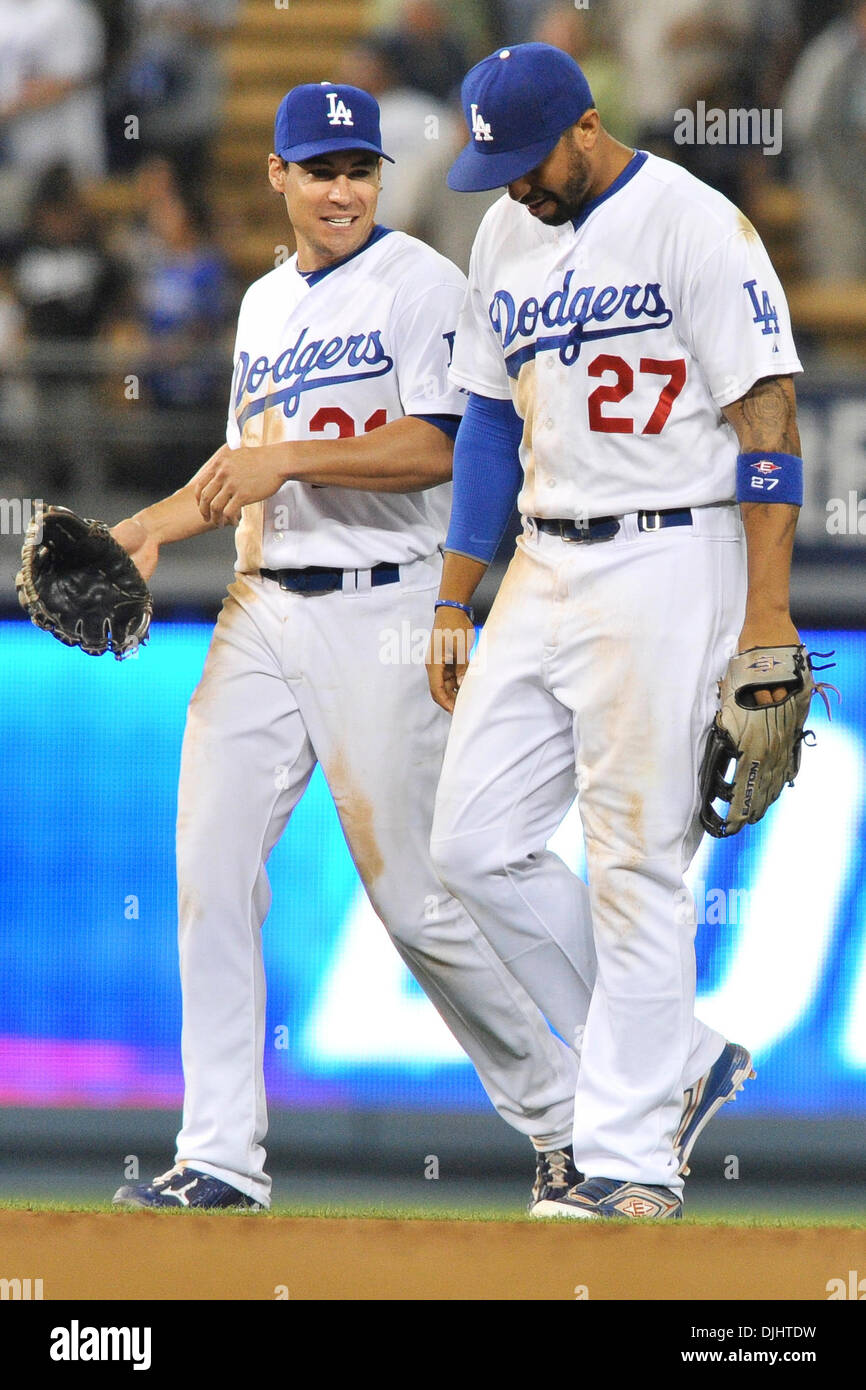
column 339, row 447
column 626, row 340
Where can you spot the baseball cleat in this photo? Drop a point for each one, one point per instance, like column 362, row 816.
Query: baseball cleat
column 185, row 1187
column 610, row 1197
column 720, row 1084
column 555, row 1173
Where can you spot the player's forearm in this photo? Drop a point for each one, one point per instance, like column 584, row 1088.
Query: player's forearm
column 406, row 455
column 175, row 518
column 765, row 420
column 769, row 543
column 461, row 575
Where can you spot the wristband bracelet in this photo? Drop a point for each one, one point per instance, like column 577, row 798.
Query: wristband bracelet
column 452, row 603
column 770, row 477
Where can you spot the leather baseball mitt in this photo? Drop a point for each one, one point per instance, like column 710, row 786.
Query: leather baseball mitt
column 765, row 741
column 77, row 583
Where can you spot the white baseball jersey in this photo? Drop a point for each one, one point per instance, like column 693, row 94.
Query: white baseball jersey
column 292, row 682
column 339, row 353
column 619, row 336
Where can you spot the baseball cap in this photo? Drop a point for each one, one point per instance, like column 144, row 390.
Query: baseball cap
column 532, row 90
column 320, row 117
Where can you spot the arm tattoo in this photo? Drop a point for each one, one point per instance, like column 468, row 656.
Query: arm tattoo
column 766, row 417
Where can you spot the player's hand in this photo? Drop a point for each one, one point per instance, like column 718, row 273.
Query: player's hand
column 763, row 632
column 448, row 651
column 143, row 549
column 232, row 478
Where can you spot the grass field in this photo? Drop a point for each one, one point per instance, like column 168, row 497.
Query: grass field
column 341, row 1235
column 853, row 1219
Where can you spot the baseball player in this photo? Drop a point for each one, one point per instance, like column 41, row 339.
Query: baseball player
column 336, row 472
column 626, row 340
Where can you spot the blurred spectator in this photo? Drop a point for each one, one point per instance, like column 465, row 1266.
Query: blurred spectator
column 424, row 137
column 776, row 39
column 825, row 123
column 67, row 284
column 734, row 168
column 11, row 347
column 11, row 319
column 580, row 34
column 675, row 52
column 449, row 221
column 417, row 131
column 446, row 220
column 685, row 57
column 51, row 55
column 481, row 25
column 813, row 18
column 67, row 289
column 181, row 303
column 133, row 240
column 174, row 339
column 521, row 18
column 173, row 81
column 426, row 49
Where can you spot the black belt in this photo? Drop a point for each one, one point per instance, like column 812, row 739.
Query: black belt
column 604, row 528
column 317, row 580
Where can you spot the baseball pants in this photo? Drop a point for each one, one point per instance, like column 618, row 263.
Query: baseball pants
column 598, row 677
column 291, row 681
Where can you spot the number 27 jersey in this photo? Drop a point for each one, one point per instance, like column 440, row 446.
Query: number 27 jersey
column 619, row 336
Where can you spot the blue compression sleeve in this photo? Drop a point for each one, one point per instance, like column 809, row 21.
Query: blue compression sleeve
column 487, row 477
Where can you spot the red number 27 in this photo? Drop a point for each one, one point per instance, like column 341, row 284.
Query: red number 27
column 675, row 372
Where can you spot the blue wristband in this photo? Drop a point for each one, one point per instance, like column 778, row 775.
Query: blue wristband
column 770, row 478
column 451, row 603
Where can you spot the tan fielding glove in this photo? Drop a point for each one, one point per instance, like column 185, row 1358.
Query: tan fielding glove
column 765, row 740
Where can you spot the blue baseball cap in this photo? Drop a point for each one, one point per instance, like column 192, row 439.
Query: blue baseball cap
column 321, row 117
column 530, row 90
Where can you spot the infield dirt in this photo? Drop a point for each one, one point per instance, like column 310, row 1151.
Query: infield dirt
column 194, row 1255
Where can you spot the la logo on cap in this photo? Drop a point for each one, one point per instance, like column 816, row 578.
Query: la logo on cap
column 480, row 129
column 338, row 112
